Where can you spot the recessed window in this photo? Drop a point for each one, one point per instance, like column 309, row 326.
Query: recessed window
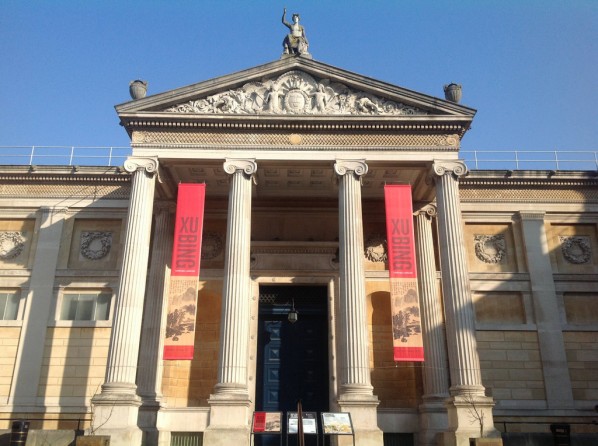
column 85, row 307
column 9, row 305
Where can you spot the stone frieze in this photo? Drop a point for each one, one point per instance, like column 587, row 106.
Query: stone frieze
column 296, row 93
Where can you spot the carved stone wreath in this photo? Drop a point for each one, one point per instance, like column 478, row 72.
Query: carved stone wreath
column 376, row 248
column 490, row 248
column 211, row 246
column 11, row 244
column 576, row 250
column 95, row 245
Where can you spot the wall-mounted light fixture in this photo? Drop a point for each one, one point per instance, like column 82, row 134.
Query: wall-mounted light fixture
column 293, row 314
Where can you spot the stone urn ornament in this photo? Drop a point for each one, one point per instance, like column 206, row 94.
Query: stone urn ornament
column 138, row 89
column 452, row 92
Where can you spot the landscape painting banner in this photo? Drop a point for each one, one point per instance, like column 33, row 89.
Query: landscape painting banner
column 184, row 275
column 406, row 320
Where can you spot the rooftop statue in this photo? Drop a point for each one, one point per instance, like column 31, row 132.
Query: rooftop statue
column 295, row 42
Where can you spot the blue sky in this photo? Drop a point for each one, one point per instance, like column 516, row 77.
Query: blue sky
column 529, row 67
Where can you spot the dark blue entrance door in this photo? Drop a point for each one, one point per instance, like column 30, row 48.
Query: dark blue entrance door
column 292, row 357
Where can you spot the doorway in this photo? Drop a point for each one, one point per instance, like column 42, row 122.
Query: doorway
column 292, row 358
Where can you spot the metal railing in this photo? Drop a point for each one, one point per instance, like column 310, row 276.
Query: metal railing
column 475, row 159
column 530, row 159
column 63, row 155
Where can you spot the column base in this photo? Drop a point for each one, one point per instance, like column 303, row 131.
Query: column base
column 365, row 420
column 469, row 416
column 147, row 420
column 229, row 420
column 433, row 421
column 115, row 412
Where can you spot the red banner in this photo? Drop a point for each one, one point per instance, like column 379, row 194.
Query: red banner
column 184, row 275
column 406, row 320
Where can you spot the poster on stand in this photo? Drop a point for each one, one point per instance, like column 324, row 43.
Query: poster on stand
column 267, row 422
column 337, row 423
column 310, row 424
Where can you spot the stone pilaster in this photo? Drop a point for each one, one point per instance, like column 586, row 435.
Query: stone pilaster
column 356, row 392
column 433, row 414
column 116, row 407
column 30, row 352
column 557, row 380
column 229, row 405
column 149, row 374
column 466, row 388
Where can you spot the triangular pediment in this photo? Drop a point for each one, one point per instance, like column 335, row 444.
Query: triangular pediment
column 295, row 87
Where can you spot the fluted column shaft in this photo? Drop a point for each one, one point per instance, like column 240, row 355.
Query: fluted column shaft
column 124, row 342
column 436, row 379
column 464, row 363
column 149, row 376
column 355, row 370
column 234, row 332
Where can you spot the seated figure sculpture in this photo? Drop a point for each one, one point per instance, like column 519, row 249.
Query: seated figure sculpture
column 295, row 42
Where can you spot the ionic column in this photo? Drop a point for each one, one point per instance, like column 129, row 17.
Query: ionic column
column 356, row 391
column 464, row 364
column 149, row 374
column 433, row 413
column 458, row 305
column 229, row 411
column 119, row 388
column 436, row 380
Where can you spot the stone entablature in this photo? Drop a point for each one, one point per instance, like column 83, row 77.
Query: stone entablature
column 296, row 93
column 64, row 182
column 298, row 139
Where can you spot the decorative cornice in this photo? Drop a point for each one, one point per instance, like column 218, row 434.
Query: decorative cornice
column 378, row 124
column 357, row 167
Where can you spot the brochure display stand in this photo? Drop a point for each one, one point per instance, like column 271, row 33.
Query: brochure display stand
column 266, row 423
column 337, row 423
column 309, row 422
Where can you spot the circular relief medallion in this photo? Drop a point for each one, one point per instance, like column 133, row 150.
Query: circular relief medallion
column 295, row 101
column 376, row 249
column 490, row 248
column 11, row 244
column 576, row 250
column 211, row 246
column 95, row 245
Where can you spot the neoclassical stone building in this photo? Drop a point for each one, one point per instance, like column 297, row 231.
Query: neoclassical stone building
column 294, row 155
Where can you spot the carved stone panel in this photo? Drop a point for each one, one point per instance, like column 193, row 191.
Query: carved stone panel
column 296, row 93
column 576, row 249
column 573, row 248
column 491, row 247
column 15, row 243
column 95, row 244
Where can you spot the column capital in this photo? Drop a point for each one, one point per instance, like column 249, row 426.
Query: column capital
column 443, row 167
column 357, row 167
column 528, row 215
column 428, row 210
column 248, row 166
column 134, row 163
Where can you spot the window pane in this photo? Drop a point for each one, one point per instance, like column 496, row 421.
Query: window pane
column 85, row 307
column 103, row 307
column 3, row 302
column 69, row 307
column 12, row 306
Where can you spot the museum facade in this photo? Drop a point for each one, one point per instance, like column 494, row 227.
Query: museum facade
column 294, row 297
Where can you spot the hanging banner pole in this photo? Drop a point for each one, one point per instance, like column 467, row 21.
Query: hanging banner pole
column 406, row 319
column 184, row 274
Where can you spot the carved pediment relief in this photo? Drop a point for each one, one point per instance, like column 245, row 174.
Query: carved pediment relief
column 296, row 93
